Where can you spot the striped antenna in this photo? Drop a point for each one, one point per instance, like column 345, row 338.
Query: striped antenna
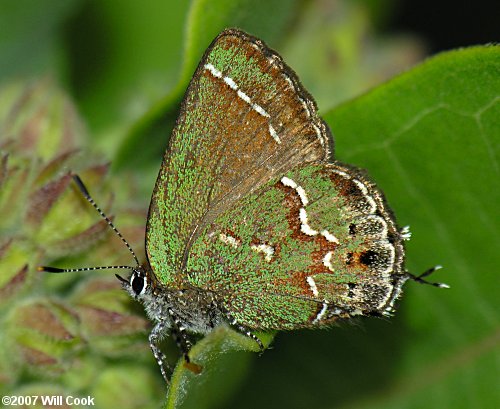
column 87, row 196
column 49, row 269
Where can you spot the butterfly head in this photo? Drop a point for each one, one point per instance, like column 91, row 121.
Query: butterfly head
column 140, row 283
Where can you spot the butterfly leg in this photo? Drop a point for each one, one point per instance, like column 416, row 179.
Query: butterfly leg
column 181, row 338
column 154, row 340
column 243, row 330
column 179, row 334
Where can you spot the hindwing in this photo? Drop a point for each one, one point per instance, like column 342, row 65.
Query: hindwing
column 312, row 245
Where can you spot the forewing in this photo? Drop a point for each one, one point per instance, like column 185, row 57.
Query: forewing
column 245, row 119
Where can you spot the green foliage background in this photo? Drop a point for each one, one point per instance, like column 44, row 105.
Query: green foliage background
column 429, row 137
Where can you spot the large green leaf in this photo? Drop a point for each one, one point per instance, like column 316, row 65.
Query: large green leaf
column 430, row 138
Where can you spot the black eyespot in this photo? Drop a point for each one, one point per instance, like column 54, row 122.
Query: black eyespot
column 368, row 257
column 137, row 283
column 352, row 189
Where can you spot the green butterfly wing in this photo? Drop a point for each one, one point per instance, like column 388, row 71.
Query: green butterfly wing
column 306, row 248
column 245, row 120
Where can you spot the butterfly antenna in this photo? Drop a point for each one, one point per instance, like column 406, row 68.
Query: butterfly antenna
column 87, row 196
column 420, row 278
column 74, row 270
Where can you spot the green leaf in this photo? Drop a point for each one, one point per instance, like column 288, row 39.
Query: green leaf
column 224, row 359
column 124, row 56
column 430, row 139
column 29, row 36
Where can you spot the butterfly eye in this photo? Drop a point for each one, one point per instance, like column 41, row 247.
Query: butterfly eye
column 138, row 283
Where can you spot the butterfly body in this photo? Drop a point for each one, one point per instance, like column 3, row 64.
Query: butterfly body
column 192, row 308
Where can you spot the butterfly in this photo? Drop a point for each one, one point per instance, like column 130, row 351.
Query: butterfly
column 252, row 222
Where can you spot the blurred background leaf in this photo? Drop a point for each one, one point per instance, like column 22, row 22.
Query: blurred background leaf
column 430, row 138
column 31, row 40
